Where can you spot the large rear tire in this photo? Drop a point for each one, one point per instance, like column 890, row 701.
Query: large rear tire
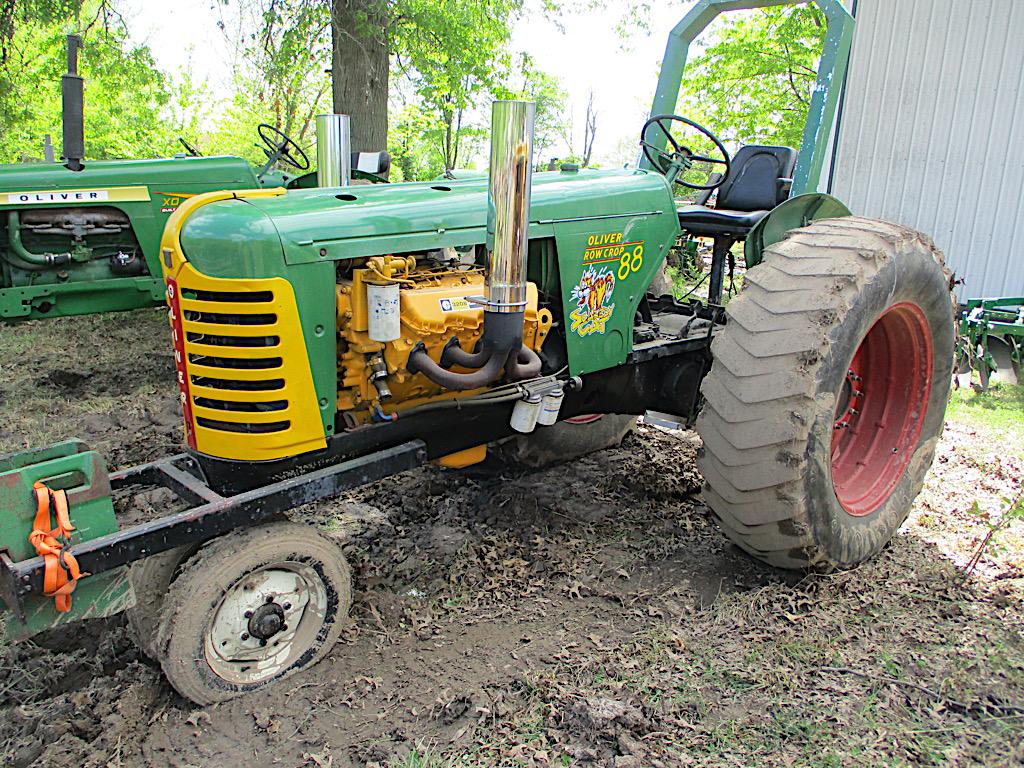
column 828, row 392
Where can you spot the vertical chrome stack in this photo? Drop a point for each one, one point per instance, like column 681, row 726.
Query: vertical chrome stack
column 333, row 150
column 508, row 205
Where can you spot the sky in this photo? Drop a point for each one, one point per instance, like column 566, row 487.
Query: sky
column 587, row 55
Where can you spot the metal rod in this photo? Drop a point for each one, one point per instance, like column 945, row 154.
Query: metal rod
column 333, row 150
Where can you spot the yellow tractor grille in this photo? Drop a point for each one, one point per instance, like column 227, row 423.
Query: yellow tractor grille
column 246, row 384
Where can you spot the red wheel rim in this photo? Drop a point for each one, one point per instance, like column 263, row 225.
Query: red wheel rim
column 881, row 409
column 589, row 418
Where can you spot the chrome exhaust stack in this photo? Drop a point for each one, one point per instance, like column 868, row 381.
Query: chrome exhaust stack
column 333, row 151
column 508, row 221
column 508, row 205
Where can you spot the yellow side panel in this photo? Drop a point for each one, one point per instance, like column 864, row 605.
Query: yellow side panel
column 243, row 368
column 248, row 414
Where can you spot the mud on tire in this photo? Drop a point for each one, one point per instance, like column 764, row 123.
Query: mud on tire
column 253, row 571
column 835, row 294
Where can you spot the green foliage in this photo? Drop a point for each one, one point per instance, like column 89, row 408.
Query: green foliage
column 1013, row 510
column 412, row 143
column 284, row 50
column 526, row 81
column 453, row 53
column 15, row 13
column 444, row 122
column 125, row 95
column 752, row 84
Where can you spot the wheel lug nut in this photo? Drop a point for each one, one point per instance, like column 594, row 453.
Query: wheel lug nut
column 245, row 635
column 284, row 627
column 248, row 614
column 287, row 606
column 270, row 598
column 262, row 643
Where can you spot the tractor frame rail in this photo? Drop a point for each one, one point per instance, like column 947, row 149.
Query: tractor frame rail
column 209, row 514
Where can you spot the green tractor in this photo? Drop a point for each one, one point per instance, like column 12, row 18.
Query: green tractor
column 327, row 338
column 83, row 237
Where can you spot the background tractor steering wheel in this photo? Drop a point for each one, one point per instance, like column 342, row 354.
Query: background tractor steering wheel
column 281, row 147
column 677, row 155
column 192, row 151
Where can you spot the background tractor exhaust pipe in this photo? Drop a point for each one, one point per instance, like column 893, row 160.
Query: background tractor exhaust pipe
column 333, row 150
column 508, row 221
column 73, row 109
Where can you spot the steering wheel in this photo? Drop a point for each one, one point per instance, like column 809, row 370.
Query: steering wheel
column 192, row 151
column 681, row 156
column 282, row 147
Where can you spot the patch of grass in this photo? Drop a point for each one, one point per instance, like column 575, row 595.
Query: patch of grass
column 417, row 759
column 999, row 411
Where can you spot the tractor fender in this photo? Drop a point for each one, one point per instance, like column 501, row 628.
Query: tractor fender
column 796, row 212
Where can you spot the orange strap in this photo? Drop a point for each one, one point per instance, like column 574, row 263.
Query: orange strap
column 61, row 572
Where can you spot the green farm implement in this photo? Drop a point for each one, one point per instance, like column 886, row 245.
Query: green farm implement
column 991, row 339
column 328, row 337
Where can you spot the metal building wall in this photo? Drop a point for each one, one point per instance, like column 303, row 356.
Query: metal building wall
column 932, row 131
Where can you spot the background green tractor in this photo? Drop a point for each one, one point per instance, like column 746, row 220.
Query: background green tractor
column 83, row 237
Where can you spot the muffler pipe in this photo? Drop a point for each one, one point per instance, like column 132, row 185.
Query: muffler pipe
column 508, row 206
column 73, row 109
column 508, row 221
column 333, row 150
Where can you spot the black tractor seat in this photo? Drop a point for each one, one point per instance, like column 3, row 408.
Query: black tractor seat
column 701, row 220
column 759, row 180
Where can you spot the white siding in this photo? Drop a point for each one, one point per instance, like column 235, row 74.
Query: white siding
column 932, row 131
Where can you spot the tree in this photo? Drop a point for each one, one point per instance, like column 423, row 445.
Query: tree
column 361, row 31
column 528, row 82
column 453, row 46
column 282, row 51
column 589, row 130
column 753, row 82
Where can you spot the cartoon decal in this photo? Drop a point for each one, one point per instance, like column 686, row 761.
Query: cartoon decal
column 593, row 296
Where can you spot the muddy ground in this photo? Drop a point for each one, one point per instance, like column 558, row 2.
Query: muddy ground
column 590, row 614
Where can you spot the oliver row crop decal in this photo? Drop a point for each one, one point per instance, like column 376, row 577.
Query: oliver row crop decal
column 605, row 259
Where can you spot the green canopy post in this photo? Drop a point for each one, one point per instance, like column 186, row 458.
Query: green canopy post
column 824, row 100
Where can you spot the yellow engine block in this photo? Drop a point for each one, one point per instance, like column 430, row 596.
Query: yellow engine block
column 434, row 308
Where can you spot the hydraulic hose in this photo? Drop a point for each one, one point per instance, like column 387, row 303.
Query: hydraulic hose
column 21, row 257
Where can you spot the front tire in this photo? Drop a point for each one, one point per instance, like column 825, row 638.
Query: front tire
column 252, row 608
column 828, row 392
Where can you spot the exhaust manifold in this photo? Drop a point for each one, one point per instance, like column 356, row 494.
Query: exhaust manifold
column 508, row 219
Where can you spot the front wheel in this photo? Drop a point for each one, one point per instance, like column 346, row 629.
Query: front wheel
column 828, row 392
column 252, row 608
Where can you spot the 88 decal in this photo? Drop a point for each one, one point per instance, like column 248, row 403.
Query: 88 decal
column 631, row 261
